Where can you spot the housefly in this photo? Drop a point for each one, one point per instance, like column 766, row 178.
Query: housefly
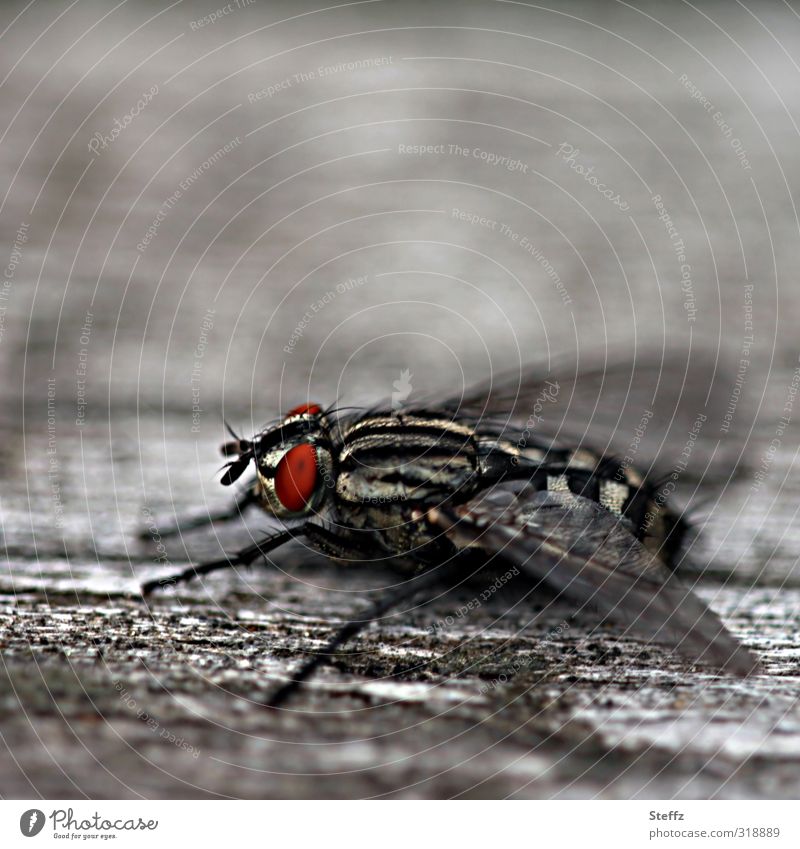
column 554, row 473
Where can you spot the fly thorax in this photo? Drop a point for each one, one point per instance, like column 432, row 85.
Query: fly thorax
column 389, row 461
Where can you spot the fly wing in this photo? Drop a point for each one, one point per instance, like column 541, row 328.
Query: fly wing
column 589, row 555
column 653, row 410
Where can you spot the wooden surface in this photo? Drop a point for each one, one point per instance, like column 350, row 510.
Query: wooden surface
column 103, row 695
column 106, row 695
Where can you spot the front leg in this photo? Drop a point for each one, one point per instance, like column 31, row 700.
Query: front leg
column 334, row 541
column 241, row 558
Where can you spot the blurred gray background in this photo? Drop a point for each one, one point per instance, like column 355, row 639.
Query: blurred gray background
column 204, row 174
column 215, row 210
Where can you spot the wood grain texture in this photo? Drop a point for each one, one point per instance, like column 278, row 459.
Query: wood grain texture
column 105, row 696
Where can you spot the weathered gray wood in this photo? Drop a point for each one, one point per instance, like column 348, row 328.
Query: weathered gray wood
column 511, row 698
column 504, row 701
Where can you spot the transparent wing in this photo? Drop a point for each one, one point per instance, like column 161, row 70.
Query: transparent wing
column 658, row 412
column 591, row 557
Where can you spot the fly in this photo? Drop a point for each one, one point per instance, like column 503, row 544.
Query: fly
column 465, row 482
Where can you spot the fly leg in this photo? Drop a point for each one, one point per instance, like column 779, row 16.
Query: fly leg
column 345, row 543
column 247, row 499
column 435, row 576
column 241, row 558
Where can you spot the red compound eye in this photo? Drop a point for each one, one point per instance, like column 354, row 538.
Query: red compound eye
column 305, row 410
column 296, row 477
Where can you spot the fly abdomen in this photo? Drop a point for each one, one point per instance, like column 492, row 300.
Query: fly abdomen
column 643, row 509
